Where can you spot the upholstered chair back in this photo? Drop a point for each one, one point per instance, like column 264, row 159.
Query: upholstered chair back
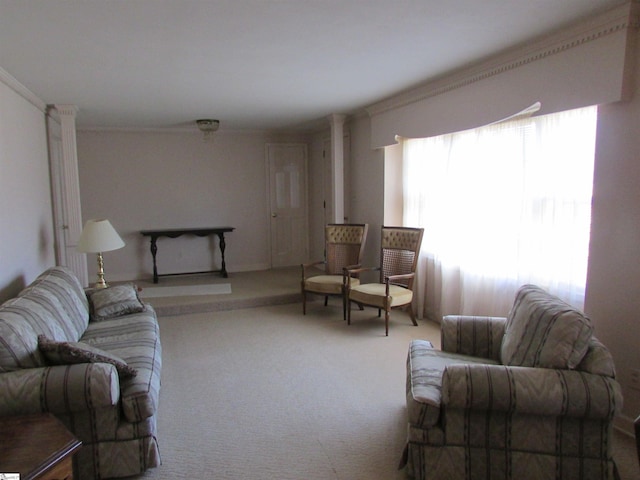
column 400, row 247
column 344, row 243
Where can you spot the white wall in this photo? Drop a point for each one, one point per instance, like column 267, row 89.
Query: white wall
column 149, row 180
column 613, row 280
column 26, row 228
column 367, row 188
column 316, row 170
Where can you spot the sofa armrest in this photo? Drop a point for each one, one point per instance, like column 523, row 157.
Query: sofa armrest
column 472, row 335
column 59, row 389
column 536, row 391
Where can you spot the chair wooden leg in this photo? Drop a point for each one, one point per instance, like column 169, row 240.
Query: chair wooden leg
column 344, row 307
column 326, row 300
column 348, row 311
column 386, row 322
column 636, row 425
column 304, row 302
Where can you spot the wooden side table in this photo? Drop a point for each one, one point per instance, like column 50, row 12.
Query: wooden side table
column 37, row 447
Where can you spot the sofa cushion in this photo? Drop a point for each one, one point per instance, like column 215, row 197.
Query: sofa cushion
column 69, row 305
column 54, row 304
column 114, row 301
column 136, row 339
column 544, row 331
column 69, row 353
column 18, row 339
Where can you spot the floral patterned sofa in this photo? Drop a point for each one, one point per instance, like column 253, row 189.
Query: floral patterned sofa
column 531, row 396
column 93, row 360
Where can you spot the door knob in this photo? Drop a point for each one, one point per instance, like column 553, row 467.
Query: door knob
column 274, row 215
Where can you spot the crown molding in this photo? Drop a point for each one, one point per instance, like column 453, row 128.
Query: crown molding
column 620, row 18
column 192, row 130
column 24, row 92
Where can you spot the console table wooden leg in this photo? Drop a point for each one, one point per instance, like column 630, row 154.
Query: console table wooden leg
column 223, row 267
column 154, row 250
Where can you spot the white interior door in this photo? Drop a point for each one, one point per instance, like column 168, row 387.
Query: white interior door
column 287, row 174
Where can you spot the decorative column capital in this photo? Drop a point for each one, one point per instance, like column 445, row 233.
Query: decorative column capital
column 66, row 110
column 337, row 119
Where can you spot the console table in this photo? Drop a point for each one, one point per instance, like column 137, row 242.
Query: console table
column 37, row 446
column 178, row 232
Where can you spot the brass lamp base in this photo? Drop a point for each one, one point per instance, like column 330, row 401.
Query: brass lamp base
column 101, row 282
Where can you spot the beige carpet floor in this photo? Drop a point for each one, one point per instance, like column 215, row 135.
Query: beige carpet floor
column 267, row 393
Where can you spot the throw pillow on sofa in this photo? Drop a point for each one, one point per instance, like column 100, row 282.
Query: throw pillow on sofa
column 114, row 301
column 66, row 353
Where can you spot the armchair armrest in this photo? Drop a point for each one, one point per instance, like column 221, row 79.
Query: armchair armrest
column 60, row 389
column 306, row 266
column 473, row 335
column 355, row 272
column 393, row 279
column 358, row 270
column 535, row 391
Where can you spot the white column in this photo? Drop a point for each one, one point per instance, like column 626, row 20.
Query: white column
column 337, row 166
column 70, row 190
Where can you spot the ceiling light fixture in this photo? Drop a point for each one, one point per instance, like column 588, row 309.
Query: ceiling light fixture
column 207, row 126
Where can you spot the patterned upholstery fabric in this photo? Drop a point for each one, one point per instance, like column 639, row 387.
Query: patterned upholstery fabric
column 53, row 305
column 113, row 416
column 598, row 360
column 470, row 416
column 135, row 338
column 475, row 336
column 544, row 331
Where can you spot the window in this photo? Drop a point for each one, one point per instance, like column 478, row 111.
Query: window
column 502, row 205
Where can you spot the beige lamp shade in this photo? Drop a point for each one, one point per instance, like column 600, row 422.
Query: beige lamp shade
column 99, row 236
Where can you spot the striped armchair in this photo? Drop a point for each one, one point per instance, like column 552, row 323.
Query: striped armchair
column 531, row 396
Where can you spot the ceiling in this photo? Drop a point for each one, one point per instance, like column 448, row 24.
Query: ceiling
column 253, row 64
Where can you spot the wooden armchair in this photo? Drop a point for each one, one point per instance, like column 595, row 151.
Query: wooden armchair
column 343, row 248
column 399, row 251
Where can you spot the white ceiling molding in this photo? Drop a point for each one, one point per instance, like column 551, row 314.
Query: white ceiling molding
column 24, row 92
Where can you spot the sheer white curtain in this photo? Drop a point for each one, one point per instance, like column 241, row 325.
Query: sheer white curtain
column 502, row 205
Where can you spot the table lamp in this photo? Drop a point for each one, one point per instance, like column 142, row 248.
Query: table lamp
column 99, row 236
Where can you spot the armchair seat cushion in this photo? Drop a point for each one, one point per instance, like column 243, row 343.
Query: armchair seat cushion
column 374, row 294
column 425, row 369
column 329, row 284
